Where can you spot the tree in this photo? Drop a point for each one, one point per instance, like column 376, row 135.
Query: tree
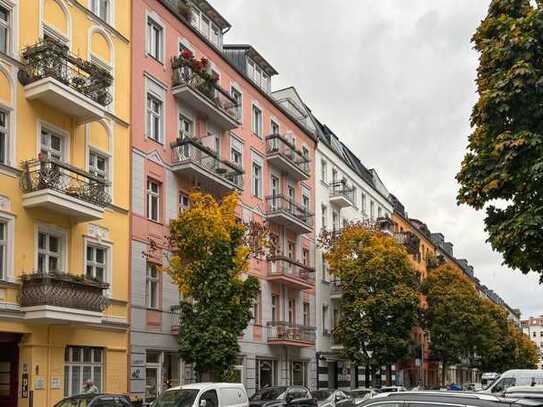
column 380, row 302
column 504, row 161
column 526, row 354
column 211, row 251
column 451, row 316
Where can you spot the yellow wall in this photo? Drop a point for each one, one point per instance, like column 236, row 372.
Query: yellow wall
column 43, row 345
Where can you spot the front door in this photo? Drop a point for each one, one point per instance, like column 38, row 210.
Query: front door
column 9, row 369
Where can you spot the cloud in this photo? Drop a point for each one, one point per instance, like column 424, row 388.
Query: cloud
column 395, row 80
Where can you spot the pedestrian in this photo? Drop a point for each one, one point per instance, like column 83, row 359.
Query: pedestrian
column 90, row 387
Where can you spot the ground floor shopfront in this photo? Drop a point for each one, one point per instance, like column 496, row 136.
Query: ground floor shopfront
column 42, row 363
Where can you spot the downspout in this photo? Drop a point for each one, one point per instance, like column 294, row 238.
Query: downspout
column 48, row 384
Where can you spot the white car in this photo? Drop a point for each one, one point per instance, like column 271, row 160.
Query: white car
column 204, row 395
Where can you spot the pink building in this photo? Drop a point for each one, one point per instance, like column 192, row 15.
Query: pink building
column 190, row 131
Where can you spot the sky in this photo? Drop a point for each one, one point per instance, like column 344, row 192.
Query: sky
column 394, row 79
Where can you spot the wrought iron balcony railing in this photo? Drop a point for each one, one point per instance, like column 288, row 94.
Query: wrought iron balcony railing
column 282, row 331
column 283, row 266
column 340, row 189
column 63, row 290
column 277, row 144
column 48, row 173
column 184, row 74
column 189, row 150
column 409, row 240
column 281, row 204
column 52, row 59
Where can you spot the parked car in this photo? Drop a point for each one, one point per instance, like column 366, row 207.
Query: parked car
column 445, row 399
column 525, row 392
column 524, row 377
column 95, row 400
column 204, row 395
column 391, row 389
column 472, row 387
column 331, row 398
column 362, row 394
column 276, row 396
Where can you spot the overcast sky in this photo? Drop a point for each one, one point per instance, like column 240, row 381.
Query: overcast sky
column 395, row 80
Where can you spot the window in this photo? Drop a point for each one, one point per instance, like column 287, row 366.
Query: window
column 3, row 249
column 275, row 307
column 324, row 171
column 325, row 275
column 4, row 137
column 154, row 117
column 238, row 97
column 98, row 165
column 184, row 202
column 363, row 203
column 257, row 121
column 324, row 216
column 155, row 35
column 186, row 127
column 305, row 202
column 334, row 176
column 96, row 263
column 153, row 201
column 324, row 318
column 211, row 398
column 257, row 180
column 50, row 248
column 151, row 286
column 215, row 35
column 292, row 311
column 266, row 373
column 292, row 250
column 298, row 377
column 305, row 257
column 102, row 8
column 274, row 127
column 4, row 30
column 82, row 364
column 335, row 220
column 307, row 316
column 372, row 210
column 257, row 314
column 379, row 212
column 52, row 144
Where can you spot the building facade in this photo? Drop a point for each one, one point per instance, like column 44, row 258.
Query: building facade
column 204, row 119
column 533, row 327
column 64, row 198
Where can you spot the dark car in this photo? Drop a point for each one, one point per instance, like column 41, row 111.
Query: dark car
column 331, row 398
column 445, row 399
column 276, row 396
column 96, row 400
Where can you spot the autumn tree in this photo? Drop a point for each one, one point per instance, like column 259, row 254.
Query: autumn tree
column 210, row 252
column 504, row 162
column 380, row 302
column 452, row 315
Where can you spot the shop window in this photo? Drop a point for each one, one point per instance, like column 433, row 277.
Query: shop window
column 82, row 364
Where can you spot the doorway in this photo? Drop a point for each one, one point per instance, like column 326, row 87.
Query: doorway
column 9, row 368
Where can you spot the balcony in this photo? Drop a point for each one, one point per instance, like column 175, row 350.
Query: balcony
column 193, row 159
column 57, row 186
column 286, row 334
column 289, row 272
column 341, row 195
column 53, row 298
column 409, row 240
column 281, row 154
column 52, row 75
column 336, row 291
column 282, row 211
column 198, row 90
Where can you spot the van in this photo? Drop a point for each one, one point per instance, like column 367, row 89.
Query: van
column 204, row 395
column 510, row 378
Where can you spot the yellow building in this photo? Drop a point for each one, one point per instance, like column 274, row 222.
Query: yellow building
column 64, row 197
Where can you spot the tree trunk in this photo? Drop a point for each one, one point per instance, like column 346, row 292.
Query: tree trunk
column 443, row 373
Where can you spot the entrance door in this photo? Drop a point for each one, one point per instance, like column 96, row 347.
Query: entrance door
column 9, row 369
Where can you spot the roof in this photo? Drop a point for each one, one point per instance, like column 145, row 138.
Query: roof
column 254, row 55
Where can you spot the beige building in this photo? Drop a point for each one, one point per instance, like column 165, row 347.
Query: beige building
column 533, row 327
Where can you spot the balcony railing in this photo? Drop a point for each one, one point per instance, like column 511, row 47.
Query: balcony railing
column 342, row 194
column 409, row 240
column 280, row 205
column 285, row 333
column 290, row 272
column 193, row 151
column 63, row 290
column 48, row 173
column 279, row 146
column 52, row 59
column 202, row 82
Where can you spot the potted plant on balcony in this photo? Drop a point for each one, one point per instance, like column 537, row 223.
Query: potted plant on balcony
column 184, row 10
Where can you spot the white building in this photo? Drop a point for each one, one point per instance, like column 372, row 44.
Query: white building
column 533, row 327
column 345, row 191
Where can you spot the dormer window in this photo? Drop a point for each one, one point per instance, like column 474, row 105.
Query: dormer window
column 258, row 76
column 205, row 26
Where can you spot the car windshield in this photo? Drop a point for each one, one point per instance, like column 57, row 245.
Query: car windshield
column 176, row 398
column 269, row 393
column 321, row 394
